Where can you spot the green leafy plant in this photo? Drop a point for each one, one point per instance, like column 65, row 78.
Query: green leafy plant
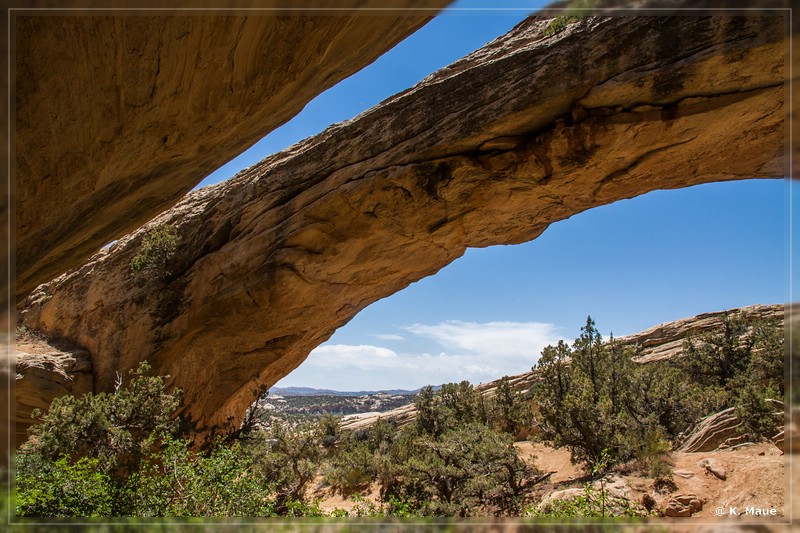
column 114, row 428
column 470, row 470
column 512, row 410
column 289, row 458
column 125, row 454
column 558, row 24
column 741, row 365
column 759, row 417
column 352, row 468
column 718, row 358
column 585, row 399
column 576, row 10
column 176, row 481
column 63, row 488
column 153, row 262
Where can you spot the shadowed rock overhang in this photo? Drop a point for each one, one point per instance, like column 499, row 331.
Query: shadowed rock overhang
column 119, row 114
column 529, row 130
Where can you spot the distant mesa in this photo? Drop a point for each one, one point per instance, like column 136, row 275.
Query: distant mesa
column 309, row 391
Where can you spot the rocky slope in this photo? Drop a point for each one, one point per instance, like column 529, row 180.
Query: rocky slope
column 118, row 116
column 529, row 130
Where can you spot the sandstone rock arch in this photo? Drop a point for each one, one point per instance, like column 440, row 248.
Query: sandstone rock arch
column 119, row 114
column 529, row 130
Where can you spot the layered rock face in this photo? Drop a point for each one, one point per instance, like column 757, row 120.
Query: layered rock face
column 45, row 372
column 118, row 115
column 529, row 130
column 666, row 340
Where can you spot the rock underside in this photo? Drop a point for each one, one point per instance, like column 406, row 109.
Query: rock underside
column 118, row 116
column 529, row 130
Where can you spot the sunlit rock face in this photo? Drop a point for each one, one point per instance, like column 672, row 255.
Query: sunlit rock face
column 527, row 131
column 119, row 114
column 43, row 373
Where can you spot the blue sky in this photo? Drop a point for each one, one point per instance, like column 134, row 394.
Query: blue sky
column 631, row 265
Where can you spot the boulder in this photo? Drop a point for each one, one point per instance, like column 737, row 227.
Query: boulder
column 683, row 506
column 44, row 373
column 723, row 429
column 713, row 467
column 556, row 495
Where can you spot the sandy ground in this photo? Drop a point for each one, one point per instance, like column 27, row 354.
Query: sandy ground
column 756, row 476
column 330, row 500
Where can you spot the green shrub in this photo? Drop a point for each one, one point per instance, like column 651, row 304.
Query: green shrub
column 122, row 454
column 62, row 488
column 719, row 357
column 352, row 468
column 363, row 507
column 591, row 397
column 467, row 471
column 175, row 481
column 741, row 365
column 759, row 417
column 585, row 399
column 330, row 431
column 153, row 262
column 558, row 23
column 672, row 402
column 399, row 508
column 453, row 405
column 290, row 459
column 300, row 507
column 511, row 410
column 115, row 428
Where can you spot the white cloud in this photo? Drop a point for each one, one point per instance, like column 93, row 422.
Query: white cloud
column 477, row 352
column 389, row 337
column 364, row 356
column 494, row 339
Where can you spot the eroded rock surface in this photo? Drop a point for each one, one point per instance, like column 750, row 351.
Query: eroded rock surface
column 683, row 506
column 666, row 340
column 45, row 372
column 723, row 430
column 527, row 131
column 118, row 115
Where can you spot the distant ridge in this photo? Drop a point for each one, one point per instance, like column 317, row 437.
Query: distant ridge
column 309, row 391
column 661, row 342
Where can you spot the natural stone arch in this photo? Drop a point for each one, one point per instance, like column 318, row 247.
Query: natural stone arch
column 118, row 115
column 527, row 131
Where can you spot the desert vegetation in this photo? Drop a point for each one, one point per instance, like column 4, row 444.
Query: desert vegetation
column 153, row 262
column 593, row 399
column 127, row 453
